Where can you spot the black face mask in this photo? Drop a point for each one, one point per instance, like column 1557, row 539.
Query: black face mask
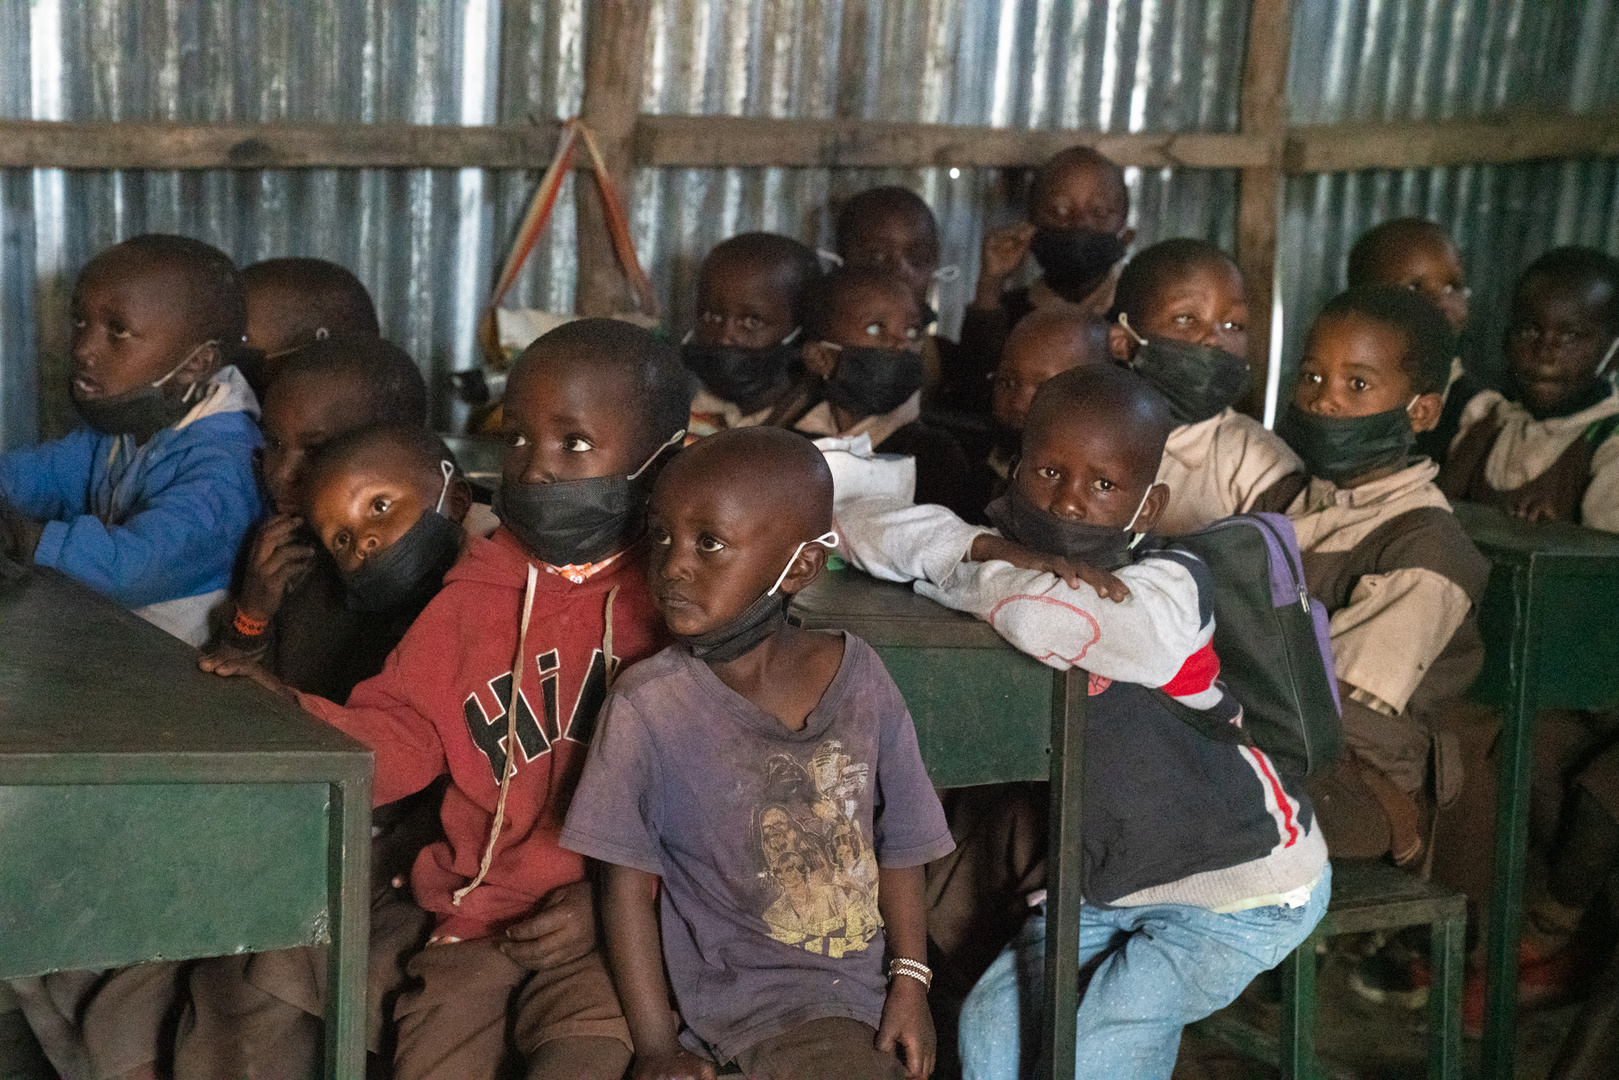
column 1339, row 448
column 869, row 381
column 1198, row 381
column 754, row 623
column 579, row 521
column 738, row 375
column 143, row 411
column 1102, row 546
column 408, row 574
column 1074, row 257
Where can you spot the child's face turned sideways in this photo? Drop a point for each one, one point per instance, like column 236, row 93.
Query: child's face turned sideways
column 362, row 509
column 565, row 418
column 743, row 303
column 131, row 327
column 1086, row 468
column 713, row 551
column 1205, row 305
column 302, row 412
column 1557, row 339
column 900, row 243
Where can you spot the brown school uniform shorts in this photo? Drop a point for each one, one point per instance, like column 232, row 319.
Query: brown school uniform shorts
column 832, row 1048
column 469, row 995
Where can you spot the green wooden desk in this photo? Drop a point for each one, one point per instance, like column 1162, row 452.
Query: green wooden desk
column 1551, row 639
column 151, row 811
column 985, row 713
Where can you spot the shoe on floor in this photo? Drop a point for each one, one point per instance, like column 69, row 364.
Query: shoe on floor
column 1393, row 975
column 1543, row 981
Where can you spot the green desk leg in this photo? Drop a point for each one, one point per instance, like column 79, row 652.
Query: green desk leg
column 1062, row 876
column 348, row 886
column 1298, row 1011
column 1447, row 959
column 1512, row 830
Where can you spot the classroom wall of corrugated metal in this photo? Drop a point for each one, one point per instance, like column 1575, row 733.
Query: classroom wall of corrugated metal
column 427, row 241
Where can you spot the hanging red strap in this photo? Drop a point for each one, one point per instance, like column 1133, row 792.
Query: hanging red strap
column 544, row 201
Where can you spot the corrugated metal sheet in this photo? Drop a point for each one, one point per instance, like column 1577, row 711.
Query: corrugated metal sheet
column 1437, row 59
column 426, row 241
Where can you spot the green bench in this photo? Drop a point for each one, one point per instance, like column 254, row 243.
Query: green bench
column 985, row 713
column 150, row 811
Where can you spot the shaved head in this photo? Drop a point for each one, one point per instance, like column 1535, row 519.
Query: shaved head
column 782, row 474
column 1065, row 337
column 1110, row 401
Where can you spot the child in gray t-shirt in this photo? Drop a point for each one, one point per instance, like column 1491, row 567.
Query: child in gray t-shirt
column 759, row 797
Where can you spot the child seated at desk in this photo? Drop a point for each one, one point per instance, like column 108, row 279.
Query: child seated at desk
column 498, row 684
column 1077, row 230
column 1383, row 553
column 745, row 347
column 292, row 303
column 865, row 333
column 1181, row 313
column 892, row 228
column 1411, row 253
column 1549, row 453
column 386, row 504
column 1199, row 856
column 149, row 500
column 760, row 786
column 291, row 612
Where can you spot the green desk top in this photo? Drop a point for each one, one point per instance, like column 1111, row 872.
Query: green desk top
column 887, row 614
column 1501, row 536
column 89, row 693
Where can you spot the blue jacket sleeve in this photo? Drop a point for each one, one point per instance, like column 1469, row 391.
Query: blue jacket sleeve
column 49, row 481
column 197, row 504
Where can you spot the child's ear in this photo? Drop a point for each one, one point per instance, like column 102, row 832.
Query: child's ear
column 1120, row 343
column 807, row 566
column 1152, row 508
column 201, row 364
column 820, row 360
column 1425, row 412
column 458, row 499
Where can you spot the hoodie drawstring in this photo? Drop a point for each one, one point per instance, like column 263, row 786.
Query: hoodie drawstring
column 511, row 739
column 607, row 637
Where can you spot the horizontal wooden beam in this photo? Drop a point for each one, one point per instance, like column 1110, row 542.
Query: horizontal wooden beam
column 721, row 141
column 143, row 145
column 1431, row 144
column 718, row 141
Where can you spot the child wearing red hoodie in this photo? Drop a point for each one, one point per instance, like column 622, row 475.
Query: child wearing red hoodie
column 539, row 616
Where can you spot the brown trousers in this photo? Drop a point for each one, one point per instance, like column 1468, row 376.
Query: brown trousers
column 472, row 1002
column 834, row 1048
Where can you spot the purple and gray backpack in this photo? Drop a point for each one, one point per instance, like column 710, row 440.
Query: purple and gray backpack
column 1272, row 640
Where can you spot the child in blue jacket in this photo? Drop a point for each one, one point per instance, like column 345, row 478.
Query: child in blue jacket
column 149, row 501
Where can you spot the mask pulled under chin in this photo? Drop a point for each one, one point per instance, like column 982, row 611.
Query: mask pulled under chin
column 145, row 410
column 742, row 634
column 572, row 522
column 1105, row 547
column 740, row 375
column 1073, row 257
column 1198, row 381
column 870, row 381
column 1339, row 448
column 408, row 574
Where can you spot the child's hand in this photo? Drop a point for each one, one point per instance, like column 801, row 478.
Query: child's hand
column 19, row 534
column 1004, row 251
column 908, row 1027
column 675, row 1065
column 562, row 931
column 1537, row 509
column 280, row 560
column 1072, row 571
column 233, row 663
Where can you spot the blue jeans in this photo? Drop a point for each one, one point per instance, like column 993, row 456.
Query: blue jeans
column 1157, row 969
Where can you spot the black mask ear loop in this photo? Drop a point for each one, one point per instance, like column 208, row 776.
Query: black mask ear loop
column 448, row 469
column 676, row 440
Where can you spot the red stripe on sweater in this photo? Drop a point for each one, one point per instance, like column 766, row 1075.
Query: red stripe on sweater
column 1196, row 675
column 1283, row 803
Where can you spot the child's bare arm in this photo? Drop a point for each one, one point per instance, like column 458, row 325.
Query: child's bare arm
column 988, row 546
column 907, row 1024
column 635, row 953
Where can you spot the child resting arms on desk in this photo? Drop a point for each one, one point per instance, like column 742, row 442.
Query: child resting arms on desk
column 1199, row 856
column 765, row 780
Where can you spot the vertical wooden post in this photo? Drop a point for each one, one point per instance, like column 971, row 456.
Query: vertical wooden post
column 615, row 45
column 1264, row 112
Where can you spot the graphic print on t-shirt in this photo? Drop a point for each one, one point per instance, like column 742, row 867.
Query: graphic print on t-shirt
column 819, row 863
